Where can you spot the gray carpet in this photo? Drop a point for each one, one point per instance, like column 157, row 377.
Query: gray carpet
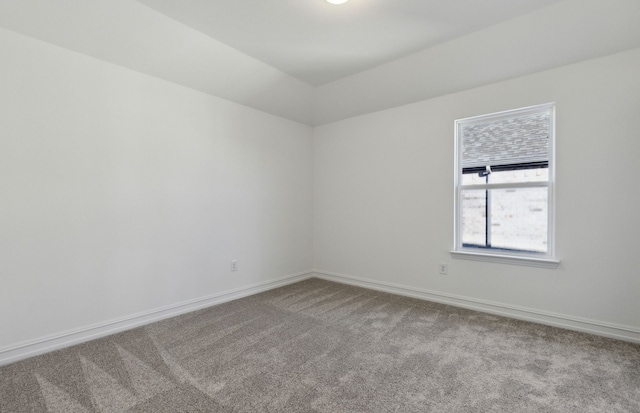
column 317, row 346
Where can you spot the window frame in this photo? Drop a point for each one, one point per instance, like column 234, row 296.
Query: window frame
column 538, row 259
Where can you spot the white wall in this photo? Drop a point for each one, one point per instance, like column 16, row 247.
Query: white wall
column 383, row 198
column 122, row 193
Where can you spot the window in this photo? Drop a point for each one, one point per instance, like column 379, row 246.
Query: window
column 504, row 186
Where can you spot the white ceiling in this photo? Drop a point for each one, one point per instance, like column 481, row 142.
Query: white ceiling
column 318, row 43
column 392, row 52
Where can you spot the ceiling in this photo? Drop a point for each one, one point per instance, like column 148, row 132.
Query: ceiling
column 318, row 42
column 315, row 63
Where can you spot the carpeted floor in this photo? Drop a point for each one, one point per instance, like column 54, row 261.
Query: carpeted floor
column 317, row 346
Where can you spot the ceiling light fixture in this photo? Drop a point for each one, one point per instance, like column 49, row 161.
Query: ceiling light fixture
column 337, row 1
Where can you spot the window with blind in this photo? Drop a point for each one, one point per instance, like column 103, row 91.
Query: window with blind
column 504, row 184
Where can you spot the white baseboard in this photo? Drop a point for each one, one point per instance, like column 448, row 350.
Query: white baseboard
column 600, row 328
column 61, row 340
column 58, row 341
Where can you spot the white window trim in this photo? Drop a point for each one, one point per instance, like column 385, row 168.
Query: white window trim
column 547, row 260
column 506, row 259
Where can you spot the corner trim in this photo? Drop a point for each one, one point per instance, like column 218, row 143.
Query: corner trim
column 68, row 338
column 584, row 325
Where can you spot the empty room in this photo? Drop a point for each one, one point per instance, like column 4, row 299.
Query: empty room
column 319, row 206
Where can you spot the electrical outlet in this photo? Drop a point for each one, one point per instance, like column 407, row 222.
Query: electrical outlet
column 234, row 265
column 443, row 268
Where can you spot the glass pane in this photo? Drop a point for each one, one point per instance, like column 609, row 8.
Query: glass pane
column 521, row 175
column 508, row 177
column 518, row 219
column 473, row 179
column 473, row 218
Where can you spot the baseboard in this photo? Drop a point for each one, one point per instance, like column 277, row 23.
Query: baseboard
column 61, row 340
column 58, row 341
column 615, row 331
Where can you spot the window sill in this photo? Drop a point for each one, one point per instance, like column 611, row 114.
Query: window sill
column 506, row 259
